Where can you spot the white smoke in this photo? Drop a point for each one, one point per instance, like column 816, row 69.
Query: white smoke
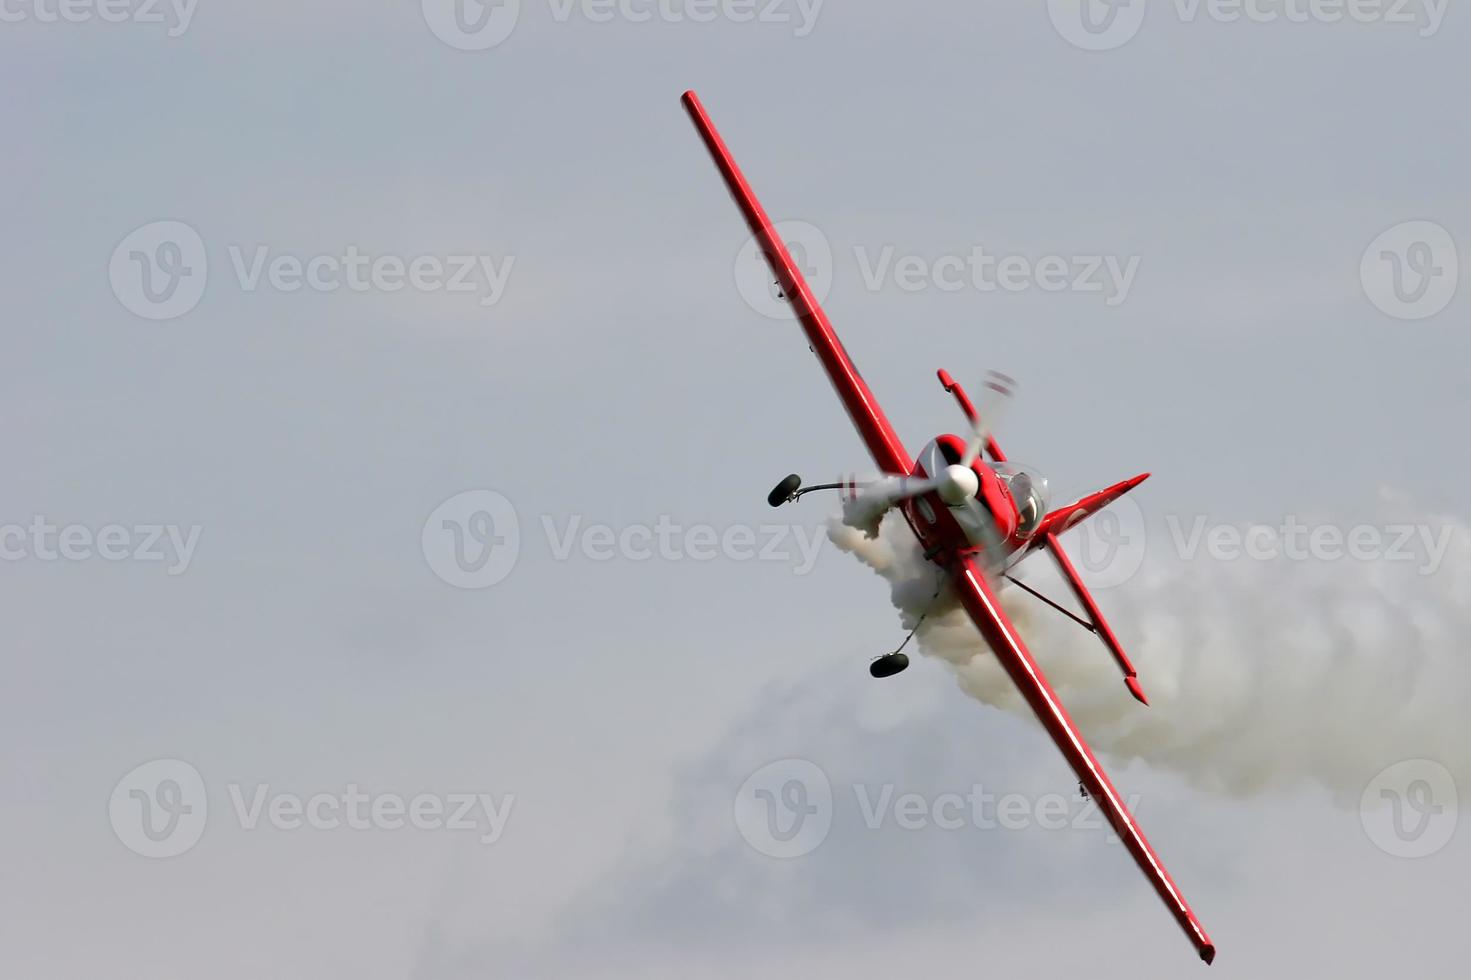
column 1260, row 674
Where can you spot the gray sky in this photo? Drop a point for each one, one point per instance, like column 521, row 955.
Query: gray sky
column 294, row 456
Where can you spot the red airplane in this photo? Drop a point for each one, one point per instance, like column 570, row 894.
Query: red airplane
column 974, row 519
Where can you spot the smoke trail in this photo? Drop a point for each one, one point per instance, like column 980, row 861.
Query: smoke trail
column 1261, row 674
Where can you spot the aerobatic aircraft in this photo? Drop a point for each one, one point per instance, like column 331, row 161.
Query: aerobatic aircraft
column 975, row 518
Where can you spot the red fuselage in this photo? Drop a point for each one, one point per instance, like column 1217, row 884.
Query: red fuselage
column 939, row 531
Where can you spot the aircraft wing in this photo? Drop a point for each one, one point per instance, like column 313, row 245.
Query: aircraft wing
column 887, row 449
column 980, row 601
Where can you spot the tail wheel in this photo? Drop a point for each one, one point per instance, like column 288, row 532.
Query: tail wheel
column 784, row 491
column 888, row 666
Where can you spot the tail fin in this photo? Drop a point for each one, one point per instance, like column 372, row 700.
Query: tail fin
column 1066, row 517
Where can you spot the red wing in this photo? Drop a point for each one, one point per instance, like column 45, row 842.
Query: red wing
column 980, row 601
column 888, row 451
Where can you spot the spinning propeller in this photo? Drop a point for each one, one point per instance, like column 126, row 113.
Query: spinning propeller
column 957, row 484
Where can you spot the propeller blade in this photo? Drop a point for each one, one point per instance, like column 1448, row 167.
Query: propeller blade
column 866, row 506
column 996, row 394
column 895, row 490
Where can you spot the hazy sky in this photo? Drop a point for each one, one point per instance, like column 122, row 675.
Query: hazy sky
column 309, row 303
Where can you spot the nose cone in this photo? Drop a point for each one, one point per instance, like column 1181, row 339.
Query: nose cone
column 958, row 484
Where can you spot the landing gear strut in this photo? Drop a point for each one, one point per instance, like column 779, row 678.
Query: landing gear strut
column 889, row 664
column 791, row 489
column 894, row 663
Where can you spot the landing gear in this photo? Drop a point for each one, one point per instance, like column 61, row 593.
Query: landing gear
column 791, row 489
column 889, row 665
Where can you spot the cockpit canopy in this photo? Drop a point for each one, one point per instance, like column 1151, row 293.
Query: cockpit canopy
column 1030, row 492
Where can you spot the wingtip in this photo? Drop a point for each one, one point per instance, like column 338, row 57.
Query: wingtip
column 1138, row 692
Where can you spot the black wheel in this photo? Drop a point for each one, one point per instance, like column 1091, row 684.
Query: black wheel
column 889, row 665
column 783, row 491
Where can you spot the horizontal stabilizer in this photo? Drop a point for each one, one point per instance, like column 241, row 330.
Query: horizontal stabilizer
column 1064, row 518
